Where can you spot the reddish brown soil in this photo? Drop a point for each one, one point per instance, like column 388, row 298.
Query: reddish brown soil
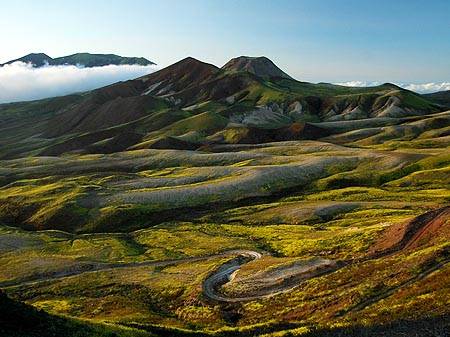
column 414, row 233
column 436, row 227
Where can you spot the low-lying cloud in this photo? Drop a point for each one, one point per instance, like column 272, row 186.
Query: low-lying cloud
column 428, row 87
column 422, row 88
column 21, row 82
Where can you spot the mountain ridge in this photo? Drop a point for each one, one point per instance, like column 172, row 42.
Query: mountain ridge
column 85, row 59
column 193, row 104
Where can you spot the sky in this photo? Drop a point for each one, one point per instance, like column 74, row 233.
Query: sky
column 347, row 41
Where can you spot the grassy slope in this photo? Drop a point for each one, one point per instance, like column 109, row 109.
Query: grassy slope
column 338, row 217
column 296, row 200
column 21, row 320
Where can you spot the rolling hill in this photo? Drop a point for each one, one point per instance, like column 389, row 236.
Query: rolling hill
column 440, row 97
column 232, row 201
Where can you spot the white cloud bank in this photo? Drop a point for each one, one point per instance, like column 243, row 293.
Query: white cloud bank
column 417, row 87
column 20, row 81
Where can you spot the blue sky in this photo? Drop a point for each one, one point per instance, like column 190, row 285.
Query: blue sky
column 328, row 40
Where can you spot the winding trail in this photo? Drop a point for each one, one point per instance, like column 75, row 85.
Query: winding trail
column 416, row 228
column 275, row 284
column 225, row 274
column 211, row 285
column 88, row 268
column 276, row 281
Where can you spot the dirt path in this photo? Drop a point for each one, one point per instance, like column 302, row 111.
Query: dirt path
column 273, row 284
column 224, row 274
column 211, row 284
column 411, row 233
column 95, row 267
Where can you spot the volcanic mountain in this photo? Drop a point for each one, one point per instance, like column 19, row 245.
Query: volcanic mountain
column 192, row 104
column 260, row 66
column 82, row 59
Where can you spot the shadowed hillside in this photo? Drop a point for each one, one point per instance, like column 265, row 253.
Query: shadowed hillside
column 21, row 320
column 441, row 97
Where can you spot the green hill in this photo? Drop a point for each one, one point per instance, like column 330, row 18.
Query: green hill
column 441, row 97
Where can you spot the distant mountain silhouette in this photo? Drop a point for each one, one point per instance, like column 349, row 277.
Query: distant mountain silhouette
column 82, row 59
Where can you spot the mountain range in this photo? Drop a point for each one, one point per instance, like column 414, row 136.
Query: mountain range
column 87, row 60
column 192, row 104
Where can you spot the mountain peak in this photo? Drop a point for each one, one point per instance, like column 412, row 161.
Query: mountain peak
column 390, row 85
column 36, row 59
column 182, row 74
column 260, row 66
column 37, row 55
column 187, row 67
column 190, row 61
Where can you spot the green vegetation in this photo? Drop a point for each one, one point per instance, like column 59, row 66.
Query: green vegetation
column 116, row 205
column 20, row 320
